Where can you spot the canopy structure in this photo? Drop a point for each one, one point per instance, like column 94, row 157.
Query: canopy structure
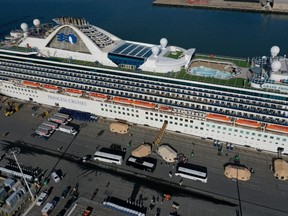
column 237, row 172
column 281, row 169
column 142, row 150
column 167, row 153
column 120, row 128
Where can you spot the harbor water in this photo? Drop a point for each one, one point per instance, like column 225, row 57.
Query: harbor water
column 227, row 33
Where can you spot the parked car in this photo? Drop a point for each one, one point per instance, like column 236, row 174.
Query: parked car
column 55, row 176
column 62, row 212
column 65, row 192
column 42, row 197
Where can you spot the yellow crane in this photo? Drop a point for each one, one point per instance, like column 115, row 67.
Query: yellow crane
column 161, row 133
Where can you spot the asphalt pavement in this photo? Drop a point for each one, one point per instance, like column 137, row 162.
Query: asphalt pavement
column 261, row 195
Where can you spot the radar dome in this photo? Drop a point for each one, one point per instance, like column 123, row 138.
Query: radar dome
column 163, row 42
column 24, row 27
column 36, row 22
column 275, row 66
column 155, row 50
column 274, row 51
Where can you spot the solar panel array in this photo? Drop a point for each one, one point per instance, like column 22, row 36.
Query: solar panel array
column 133, row 50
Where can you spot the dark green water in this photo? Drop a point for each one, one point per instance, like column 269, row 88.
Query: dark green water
column 209, row 31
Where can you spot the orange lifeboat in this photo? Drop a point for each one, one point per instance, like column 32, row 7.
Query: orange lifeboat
column 165, row 108
column 144, row 104
column 217, row 117
column 50, row 87
column 97, row 96
column 277, row 128
column 73, row 92
column 123, row 100
column 31, row 84
column 248, row 123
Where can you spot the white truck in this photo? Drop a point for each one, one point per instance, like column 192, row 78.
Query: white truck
column 67, row 129
column 62, row 115
column 50, row 124
column 47, row 209
column 59, row 120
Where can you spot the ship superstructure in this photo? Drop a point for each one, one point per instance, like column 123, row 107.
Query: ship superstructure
column 246, row 117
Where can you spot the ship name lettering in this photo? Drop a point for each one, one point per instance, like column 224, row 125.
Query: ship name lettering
column 72, row 101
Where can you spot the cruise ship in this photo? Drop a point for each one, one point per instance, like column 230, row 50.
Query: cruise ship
column 79, row 66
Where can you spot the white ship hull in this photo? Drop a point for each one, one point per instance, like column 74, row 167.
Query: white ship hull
column 249, row 137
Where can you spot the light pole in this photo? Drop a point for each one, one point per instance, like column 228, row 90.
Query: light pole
column 15, row 151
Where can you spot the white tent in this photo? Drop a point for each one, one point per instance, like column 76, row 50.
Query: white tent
column 167, row 153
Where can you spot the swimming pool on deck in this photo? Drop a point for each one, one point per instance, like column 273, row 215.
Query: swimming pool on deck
column 209, row 72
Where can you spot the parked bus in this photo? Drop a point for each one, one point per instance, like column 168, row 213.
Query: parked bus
column 109, row 156
column 192, row 171
column 145, row 163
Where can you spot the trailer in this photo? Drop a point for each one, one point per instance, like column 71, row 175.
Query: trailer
column 42, row 132
column 46, row 127
column 59, row 120
column 53, row 125
column 67, row 129
column 62, row 115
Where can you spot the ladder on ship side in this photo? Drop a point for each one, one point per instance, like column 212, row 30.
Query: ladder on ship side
column 161, row 133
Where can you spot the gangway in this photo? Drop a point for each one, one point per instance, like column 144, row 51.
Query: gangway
column 161, row 133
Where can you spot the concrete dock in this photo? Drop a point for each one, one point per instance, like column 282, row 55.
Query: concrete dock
column 222, row 5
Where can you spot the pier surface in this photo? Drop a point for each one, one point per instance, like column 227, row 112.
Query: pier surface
column 221, row 5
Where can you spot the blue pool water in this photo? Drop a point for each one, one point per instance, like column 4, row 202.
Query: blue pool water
column 209, row 72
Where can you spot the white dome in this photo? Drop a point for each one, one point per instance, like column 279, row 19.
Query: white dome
column 36, row 22
column 163, row 42
column 274, row 51
column 275, row 66
column 155, row 50
column 24, row 27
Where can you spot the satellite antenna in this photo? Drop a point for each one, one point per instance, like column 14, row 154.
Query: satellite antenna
column 274, row 51
column 24, row 28
column 155, row 50
column 275, row 66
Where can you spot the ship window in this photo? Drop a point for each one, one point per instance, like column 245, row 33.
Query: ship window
column 133, row 115
column 151, row 113
column 196, row 127
column 146, row 117
column 102, row 109
column 181, row 119
column 271, row 137
column 170, row 122
column 253, row 134
column 207, row 125
column 202, row 123
column 166, row 116
column 201, row 128
column 156, row 114
column 284, row 140
column 191, row 121
column 181, row 124
column 176, row 118
column 119, row 112
column 161, row 115
column 175, row 123
column 265, row 136
column 259, row 135
column 213, row 126
column 146, row 113
column 219, row 127
column 186, row 125
column 191, row 126
column 137, row 116
column 241, row 131
column 278, row 138
column 186, row 120
column 156, row 119
column 247, row 132
column 235, row 130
